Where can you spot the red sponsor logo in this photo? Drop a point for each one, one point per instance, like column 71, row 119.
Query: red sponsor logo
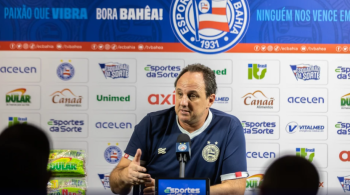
column 344, row 156
column 321, row 185
column 162, row 99
column 126, row 155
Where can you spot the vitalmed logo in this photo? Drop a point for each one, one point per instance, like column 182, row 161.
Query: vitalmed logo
column 162, row 99
column 307, row 153
column 169, row 71
column 17, row 120
column 342, row 72
column 114, row 70
column 66, row 125
column 259, row 154
column 113, row 125
column 170, row 190
column 306, row 72
column 17, row 97
column 221, row 100
column 293, row 127
column 254, row 69
column 345, row 101
column 104, row 177
column 344, row 182
column 66, row 97
column 343, row 128
column 258, row 127
column 259, row 100
column 253, row 182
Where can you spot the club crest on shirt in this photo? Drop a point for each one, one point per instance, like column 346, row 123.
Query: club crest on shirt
column 210, row 152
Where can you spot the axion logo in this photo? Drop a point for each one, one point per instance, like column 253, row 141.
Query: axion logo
column 344, row 156
column 162, row 99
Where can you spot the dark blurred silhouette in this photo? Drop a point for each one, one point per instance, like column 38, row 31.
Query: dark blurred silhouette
column 290, row 175
column 24, row 154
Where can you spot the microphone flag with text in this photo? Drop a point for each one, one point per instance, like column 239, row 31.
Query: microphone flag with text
column 183, row 152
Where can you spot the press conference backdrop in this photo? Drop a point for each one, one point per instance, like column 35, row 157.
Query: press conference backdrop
column 88, row 71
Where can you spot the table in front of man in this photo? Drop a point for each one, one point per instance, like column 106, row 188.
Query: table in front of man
column 217, row 140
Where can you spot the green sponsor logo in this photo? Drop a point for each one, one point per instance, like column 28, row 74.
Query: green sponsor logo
column 253, row 70
column 307, row 153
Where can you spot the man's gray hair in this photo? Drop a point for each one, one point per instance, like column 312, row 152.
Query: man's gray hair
column 208, row 76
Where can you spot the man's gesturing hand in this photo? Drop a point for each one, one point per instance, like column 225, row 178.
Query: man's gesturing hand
column 136, row 173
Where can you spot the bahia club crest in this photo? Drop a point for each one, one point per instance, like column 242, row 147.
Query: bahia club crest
column 209, row 26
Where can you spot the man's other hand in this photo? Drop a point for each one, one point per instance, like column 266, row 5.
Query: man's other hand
column 150, row 189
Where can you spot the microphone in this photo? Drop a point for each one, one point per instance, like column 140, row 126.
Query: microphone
column 183, row 152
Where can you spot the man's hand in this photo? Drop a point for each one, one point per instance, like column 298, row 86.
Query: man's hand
column 135, row 172
column 150, row 189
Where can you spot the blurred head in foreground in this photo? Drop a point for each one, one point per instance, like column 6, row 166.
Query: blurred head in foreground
column 290, row 175
column 24, row 154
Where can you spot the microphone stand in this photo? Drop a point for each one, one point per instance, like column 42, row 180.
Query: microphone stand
column 182, row 162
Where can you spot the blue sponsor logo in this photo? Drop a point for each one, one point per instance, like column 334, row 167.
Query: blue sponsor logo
column 343, row 128
column 104, row 180
column 306, row 100
column 344, row 182
column 293, row 127
column 113, row 154
column 17, row 70
column 65, row 125
column 258, row 127
column 197, row 25
column 343, row 72
column 250, row 154
column 115, row 70
column 162, row 71
column 65, row 71
column 306, row 72
column 221, row 100
column 113, row 125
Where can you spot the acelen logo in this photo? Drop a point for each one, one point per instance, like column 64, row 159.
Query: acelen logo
column 65, row 125
column 253, row 182
column 343, row 128
column 258, row 99
column 17, row 70
column 344, row 156
column 253, row 70
column 253, row 154
column 162, row 71
column 306, row 100
column 67, row 98
column 17, row 98
column 343, row 72
column 258, row 127
column 306, row 72
column 113, row 125
column 345, row 101
column 162, row 99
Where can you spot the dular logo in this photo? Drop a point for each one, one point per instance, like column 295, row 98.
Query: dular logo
column 253, row 182
column 345, row 101
column 66, row 97
column 258, row 99
column 162, row 99
column 207, row 26
column 17, row 98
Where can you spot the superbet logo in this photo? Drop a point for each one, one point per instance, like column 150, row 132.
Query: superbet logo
column 162, row 99
column 345, row 154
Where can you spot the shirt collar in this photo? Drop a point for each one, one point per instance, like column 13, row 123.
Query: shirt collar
column 198, row 131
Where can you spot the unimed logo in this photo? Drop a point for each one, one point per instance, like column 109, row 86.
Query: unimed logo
column 258, row 99
column 162, row 99
column 344, row 156
column 110, row 98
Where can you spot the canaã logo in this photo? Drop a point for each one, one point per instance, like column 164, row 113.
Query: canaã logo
column 66, row 97
column 258, row 99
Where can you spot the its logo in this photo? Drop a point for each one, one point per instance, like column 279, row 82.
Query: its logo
column 162, row 71
column 113, row 154
column 343, row 128
column 306, row 72
column 345, row 101
column 162, row 99
column 304, row 100
column 208, row 26
column 113, row 125
column 258, row 127
column 253, row 182
column 17, row 70
column 221, row 100
column 343, row 72
column 17, row 120
column 293, row 127
column 66, row 97
column 65, row 71
column 182, row 147
column 250, row 154
column 104, row 180
column 115, row 70
column 17, row 98
column 345, row 182
column 344, row 156
column 307, row 153
column 253, row 70
column 110, row 98
column 65, row 125
column 258, row 99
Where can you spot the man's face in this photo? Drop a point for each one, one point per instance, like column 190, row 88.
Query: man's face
column 191, row 103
